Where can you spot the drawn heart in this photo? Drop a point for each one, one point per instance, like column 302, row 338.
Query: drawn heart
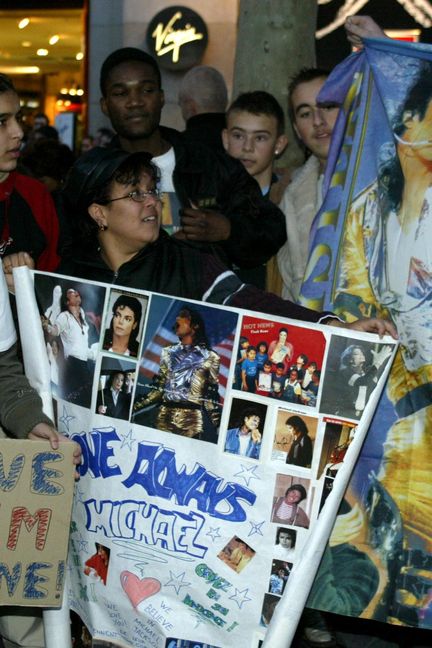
column 138, row 589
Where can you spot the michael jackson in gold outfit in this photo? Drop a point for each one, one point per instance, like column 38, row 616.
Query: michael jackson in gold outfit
column 186, row 387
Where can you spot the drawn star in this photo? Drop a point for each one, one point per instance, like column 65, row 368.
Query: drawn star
column 81, row 496
column 128, row 440
column 255, row 528
column 66, row 419
column 247, row 473
column 82, row 544
column 177, row 581
column 240, row 596
column 214, row 533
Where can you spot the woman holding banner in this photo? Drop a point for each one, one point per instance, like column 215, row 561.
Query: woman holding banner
column 115, row 197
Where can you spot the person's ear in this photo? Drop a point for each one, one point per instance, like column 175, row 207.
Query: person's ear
column 225, row 140
column 97, row 214
column 281, row 144
column 103, row 106
column 296, row 131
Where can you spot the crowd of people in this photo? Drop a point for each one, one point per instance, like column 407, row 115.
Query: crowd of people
column 190, row 214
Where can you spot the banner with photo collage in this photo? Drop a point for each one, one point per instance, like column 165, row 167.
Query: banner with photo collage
column 210, row 438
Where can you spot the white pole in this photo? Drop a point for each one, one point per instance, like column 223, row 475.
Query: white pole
column 56, row 622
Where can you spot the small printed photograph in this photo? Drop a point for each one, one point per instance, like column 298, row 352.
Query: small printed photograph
column 268, row 608
column 184, row 368
column 236, row 554
column 124, row 323
column 352, row 373
column 294, row 438
column 245, row 428
column 291, row 501
column 336, row 441
column 97, row 565
column 116, row 381
column 285, row 543
column 280, row 572
column 279, row 361
column 71, row 313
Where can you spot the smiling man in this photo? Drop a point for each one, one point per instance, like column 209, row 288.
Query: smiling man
column 313, row 124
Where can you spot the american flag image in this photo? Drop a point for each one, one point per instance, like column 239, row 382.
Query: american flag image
column 220, row 330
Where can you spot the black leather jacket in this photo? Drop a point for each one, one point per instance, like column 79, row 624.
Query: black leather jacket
column 213, row 180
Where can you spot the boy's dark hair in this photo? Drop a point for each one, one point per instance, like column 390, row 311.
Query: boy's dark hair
column 260, row 102
column 250, row 348
column 123, row 55
column 280, row 365
column 6, row 84
column 303, row 76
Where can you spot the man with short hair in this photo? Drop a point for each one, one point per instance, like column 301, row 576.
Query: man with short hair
column 203, row 98
column 219, row 202
column 313, row 124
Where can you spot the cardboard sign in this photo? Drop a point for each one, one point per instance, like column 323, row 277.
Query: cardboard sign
column 36, row 485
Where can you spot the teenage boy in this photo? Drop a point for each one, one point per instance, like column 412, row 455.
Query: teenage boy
column 255, row 136
column 313, row 124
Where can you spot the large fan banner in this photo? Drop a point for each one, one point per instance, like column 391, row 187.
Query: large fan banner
column 371, row 255
column 211, row 438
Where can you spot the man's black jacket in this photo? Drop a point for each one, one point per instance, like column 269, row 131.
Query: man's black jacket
column 213, row 180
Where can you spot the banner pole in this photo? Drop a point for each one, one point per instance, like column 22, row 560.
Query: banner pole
column 56, row 622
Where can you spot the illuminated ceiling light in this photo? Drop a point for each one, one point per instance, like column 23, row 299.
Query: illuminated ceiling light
column 79, row 56
column 42, row 52
column 64, row 91
column 72, row 92
column 80, row 92
column 54, row 39
column 19, row 69
column 26, row 44
column 68, row 103
column 23, row 23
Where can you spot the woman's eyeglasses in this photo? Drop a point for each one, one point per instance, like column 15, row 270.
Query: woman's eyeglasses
column 138, row 196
